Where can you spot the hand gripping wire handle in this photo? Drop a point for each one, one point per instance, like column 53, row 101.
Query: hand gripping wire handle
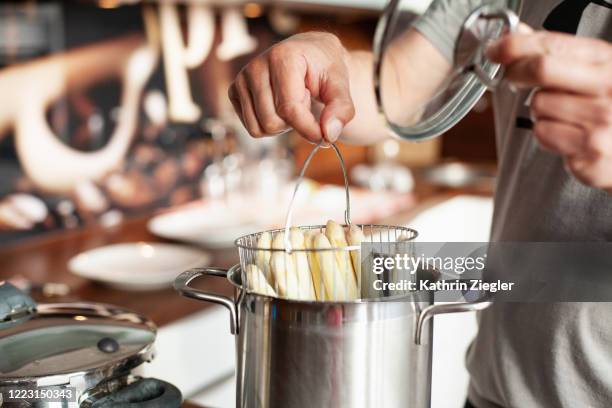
column 347, row 212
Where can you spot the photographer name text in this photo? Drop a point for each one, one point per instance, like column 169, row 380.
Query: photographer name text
column 444, row 285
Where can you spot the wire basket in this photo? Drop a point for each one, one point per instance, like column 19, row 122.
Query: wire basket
column 305, row 263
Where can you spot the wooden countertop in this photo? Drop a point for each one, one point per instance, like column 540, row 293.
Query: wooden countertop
column 45, row 259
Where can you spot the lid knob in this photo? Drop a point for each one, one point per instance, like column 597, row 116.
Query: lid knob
column 108, row 345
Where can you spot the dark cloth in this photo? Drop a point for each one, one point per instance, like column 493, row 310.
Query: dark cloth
column 468, row 404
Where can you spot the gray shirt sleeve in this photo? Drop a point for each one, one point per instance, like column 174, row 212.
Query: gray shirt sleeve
column 442, row 22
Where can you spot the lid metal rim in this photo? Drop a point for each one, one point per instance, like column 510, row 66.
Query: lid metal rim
column 98, row 310
column 100, row 373
column 450, row 117
column 101, row 310
column 435, row 130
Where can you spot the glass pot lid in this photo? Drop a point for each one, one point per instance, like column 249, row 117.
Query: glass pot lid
column 74, row 338
column 430, row 70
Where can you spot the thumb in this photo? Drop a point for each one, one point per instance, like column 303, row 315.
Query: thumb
column 339, row 108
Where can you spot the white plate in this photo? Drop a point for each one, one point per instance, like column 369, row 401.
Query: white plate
column 216, row 224
column 209, row 226
column 137, row 266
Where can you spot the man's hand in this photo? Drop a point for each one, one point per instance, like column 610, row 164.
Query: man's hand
column 273, row 92
column 572, row 107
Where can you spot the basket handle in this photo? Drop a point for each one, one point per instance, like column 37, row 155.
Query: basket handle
column 300, row 179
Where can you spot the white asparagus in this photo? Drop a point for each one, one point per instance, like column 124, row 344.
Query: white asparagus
column 302, row 269
column 404, row 237
column 339, row 285
column 283, row 269
column 355, row 237
column 315, row 270
column 335, row 233
column 257, row 281
column 262, row 258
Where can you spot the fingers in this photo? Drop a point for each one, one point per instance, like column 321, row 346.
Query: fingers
column 524, row 29
column 591, row 172
column 253, row 99
column 587, row 155
column 273, row 92
column 561, row 72
column 581, row 111
column 291, row 95
column 235, row 100
column 514, row 47
column 560, row 138
column 339, row 108
column 555, row 60
column 271, row 96
column 573, row 125
column 257, row 77
column 243, row 104
column 573, row 109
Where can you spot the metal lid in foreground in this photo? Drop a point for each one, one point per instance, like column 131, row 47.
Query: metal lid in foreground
column 74, row 338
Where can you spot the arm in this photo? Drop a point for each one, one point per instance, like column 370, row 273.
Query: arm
column 275, row 90
column 413, row 69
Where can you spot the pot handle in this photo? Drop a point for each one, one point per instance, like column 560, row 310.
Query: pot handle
column 144, row 393
column 181, row 284
column 482, row 303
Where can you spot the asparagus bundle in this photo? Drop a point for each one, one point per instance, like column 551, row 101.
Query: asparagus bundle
column 313, row 275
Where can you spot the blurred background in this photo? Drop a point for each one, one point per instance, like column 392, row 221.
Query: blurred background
column 115, row 109
column 122, row 164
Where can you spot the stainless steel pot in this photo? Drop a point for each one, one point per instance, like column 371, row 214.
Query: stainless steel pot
column 76, row 355
column 373, row 352
column 296, row 354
